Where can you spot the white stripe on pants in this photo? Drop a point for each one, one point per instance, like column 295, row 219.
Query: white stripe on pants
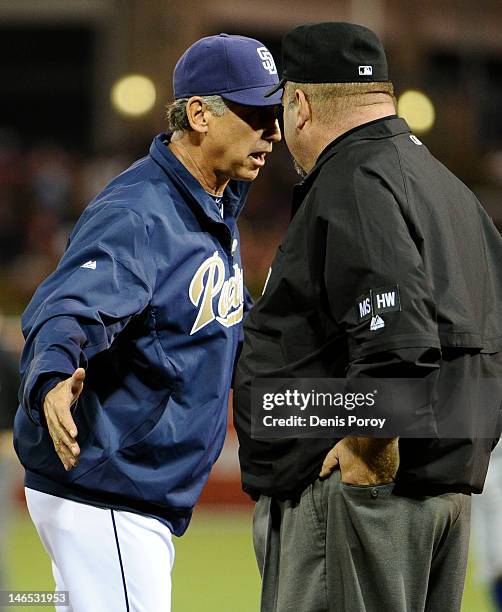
column 108, row 560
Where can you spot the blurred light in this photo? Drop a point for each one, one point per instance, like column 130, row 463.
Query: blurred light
column 417, row 109
column 133, row 95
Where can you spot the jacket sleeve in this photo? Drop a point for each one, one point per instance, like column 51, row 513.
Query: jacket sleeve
column 376, row 282
column 105, row 277
column 380, row 296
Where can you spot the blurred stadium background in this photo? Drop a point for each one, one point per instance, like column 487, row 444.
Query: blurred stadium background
column 83, row 86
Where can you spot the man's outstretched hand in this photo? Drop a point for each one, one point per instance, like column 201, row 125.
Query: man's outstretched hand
column 363, row 461
column 60, row 423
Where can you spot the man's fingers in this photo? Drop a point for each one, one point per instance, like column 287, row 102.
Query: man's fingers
column 67, row 461
column 329, row 464
column 65, row 442
column 61, row 435
column 67, row 422
column 66, row 446
column 64, row 426
column 64, row 454
column 62, row 449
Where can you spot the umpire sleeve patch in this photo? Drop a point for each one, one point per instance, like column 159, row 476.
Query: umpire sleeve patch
column 363, row 306
column 385, row 299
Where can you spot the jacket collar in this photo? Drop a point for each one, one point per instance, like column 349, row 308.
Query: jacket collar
column 385, row 127
column 235, row 193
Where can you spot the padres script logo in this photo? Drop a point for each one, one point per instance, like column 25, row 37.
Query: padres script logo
column 207, row 283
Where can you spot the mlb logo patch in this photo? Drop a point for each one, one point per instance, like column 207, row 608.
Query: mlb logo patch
column 377, row 323
column 365, row 70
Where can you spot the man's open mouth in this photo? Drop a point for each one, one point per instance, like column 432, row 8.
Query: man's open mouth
column 259, row 158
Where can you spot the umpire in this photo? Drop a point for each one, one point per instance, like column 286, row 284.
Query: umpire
column 375, row 214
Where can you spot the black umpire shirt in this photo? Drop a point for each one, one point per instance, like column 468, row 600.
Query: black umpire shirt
column 377, row 213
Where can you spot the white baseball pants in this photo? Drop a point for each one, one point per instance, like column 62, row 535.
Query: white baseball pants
column 108, row 560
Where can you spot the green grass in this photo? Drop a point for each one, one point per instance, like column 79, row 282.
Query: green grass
column 215, row 570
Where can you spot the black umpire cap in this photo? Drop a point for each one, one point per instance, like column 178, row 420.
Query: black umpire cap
column 332, row 52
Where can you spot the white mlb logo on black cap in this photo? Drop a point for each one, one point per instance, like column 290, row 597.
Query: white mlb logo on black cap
column 365, row 70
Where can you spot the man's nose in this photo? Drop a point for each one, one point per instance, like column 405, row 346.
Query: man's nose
column 273, row 133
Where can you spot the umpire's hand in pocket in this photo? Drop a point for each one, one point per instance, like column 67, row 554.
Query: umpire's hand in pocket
column 363, row 461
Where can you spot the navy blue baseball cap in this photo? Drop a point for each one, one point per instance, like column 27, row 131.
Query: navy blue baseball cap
column 237, row 68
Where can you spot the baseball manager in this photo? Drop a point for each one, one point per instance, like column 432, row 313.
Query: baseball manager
column 131, row 341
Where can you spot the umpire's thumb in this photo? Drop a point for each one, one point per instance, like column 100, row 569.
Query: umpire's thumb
column 330, row 463
column 77, row 381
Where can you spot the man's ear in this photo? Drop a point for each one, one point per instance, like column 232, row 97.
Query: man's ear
column 197, row 114
column 304, row 111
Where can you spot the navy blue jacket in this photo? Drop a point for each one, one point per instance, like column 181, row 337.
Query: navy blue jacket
column 148, row 298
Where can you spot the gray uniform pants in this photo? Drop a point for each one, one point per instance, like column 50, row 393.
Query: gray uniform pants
column 345, row 548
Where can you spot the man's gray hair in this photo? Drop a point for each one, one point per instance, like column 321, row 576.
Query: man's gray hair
column 177, row 112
